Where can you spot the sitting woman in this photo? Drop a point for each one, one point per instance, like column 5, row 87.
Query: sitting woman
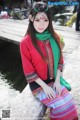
column 42, row 63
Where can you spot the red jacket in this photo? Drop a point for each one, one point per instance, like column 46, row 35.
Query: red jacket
column 33, row 64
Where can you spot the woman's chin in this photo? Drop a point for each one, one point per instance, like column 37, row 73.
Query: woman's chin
column 40, row 31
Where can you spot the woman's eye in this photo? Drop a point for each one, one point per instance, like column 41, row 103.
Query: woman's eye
column 37, row 20
column 46, row 20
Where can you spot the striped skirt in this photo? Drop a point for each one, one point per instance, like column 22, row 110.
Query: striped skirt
column 62, row 107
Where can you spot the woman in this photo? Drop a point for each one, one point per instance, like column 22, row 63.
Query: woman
column 43, row 64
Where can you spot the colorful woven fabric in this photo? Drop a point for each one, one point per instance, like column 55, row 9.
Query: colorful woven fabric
column 62, row 107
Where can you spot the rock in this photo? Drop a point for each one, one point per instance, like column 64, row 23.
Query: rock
column 26, row 107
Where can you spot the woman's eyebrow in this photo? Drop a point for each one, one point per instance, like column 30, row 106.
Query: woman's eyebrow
column 40, row 17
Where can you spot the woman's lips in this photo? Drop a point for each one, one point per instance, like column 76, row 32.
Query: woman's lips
column 40, row 28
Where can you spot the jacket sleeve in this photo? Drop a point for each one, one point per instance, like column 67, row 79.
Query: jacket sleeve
column 61, row 64
column 28, row 68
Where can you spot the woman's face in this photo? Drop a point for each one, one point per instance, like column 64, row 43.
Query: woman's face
column 41, row 22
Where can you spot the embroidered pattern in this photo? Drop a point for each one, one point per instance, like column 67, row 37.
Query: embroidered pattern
column 31, row 77
column 60, row 66
column 50, row 58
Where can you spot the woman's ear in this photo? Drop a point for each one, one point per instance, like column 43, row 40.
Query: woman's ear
column 31, row 18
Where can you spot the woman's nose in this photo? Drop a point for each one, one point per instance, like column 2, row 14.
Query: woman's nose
column 42, row 24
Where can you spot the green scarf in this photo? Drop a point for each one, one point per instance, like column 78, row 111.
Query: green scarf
column 55, row 49
column 56, row 53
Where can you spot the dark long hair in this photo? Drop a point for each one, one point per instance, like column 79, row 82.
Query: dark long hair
column 31, row 31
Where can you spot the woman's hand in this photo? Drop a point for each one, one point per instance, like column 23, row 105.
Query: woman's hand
column 57, row 87
column 47, row 89
column 49, row 92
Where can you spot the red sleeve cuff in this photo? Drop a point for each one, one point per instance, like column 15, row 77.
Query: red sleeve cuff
column 31, row 77
column 60, row 67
